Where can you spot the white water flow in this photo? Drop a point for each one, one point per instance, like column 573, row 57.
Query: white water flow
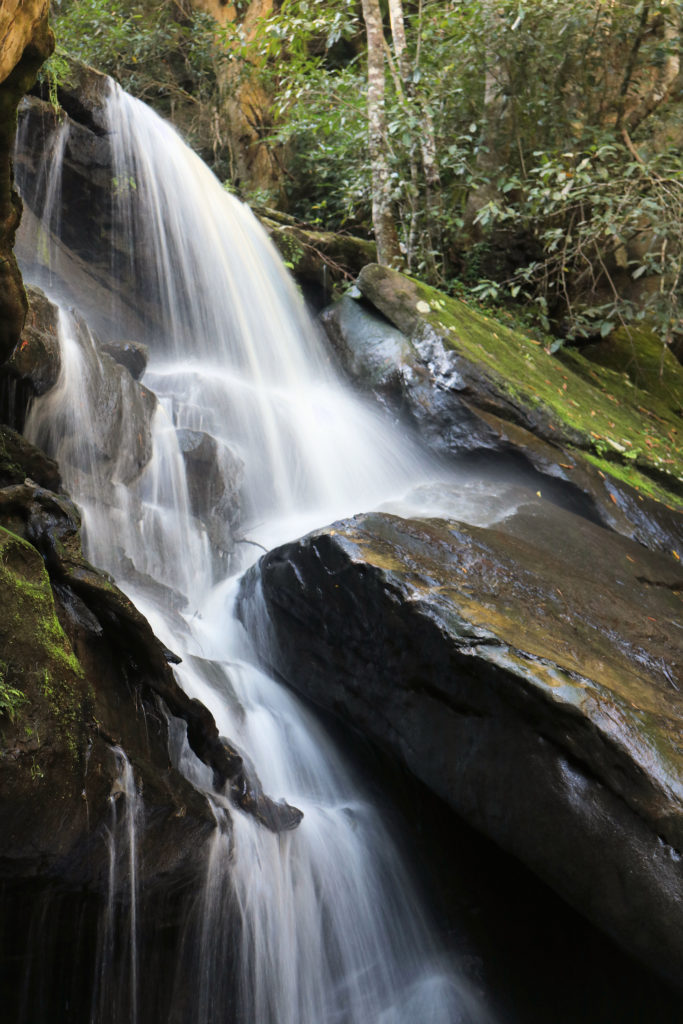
column 118, row 932
column 328, row 930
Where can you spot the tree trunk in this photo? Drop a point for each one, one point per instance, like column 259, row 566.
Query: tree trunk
column 666, row 74
column 398, row 33
column 384, row 224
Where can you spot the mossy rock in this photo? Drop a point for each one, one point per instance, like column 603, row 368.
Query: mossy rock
column 638, row 352
column 598, row 418
column 326, row 260
column 45, row 712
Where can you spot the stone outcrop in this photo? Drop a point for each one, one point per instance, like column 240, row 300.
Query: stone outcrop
column 131, row 354
column 322, row 262
column 214, row 474
column 22, row 24
column 72, row 695
column 528, row 672
column 36, row 360
column 89, row 448
column 69, row 247
column 110, row 683
column 598, row 440
column 25, row 42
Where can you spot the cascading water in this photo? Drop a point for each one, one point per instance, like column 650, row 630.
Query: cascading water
column 329, row 931
column 122, row 890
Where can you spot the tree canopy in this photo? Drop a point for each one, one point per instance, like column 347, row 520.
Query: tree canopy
column 528, row 151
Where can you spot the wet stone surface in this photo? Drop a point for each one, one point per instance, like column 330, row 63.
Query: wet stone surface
column 608, row 443
column 528, row 672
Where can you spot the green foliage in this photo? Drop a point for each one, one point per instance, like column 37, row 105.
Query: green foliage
column 555, row 183
column 162, row 52
column 55, row 72
column 601, row 219
column 11, row 698
column 541, row 195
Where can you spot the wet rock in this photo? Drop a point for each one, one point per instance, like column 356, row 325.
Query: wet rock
column 475, row 389
column 131, row 354
column 214, row 477
column 529, row 672
column 27, row 41
column 86, row 181
column 52, row 525
column 110, row 446
column 247, row 792
column 65, row 238
column 57, row 765
column 36, row 359
column 98, row 611
column 417, row 383
column 20, row 459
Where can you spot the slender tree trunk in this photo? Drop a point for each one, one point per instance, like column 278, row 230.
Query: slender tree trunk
column 384, row 224
column 398, row 33
column 411, row 97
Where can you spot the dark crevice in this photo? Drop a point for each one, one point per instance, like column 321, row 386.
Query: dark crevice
column 514, row 468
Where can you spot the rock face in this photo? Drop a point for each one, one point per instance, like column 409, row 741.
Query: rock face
column 90, row 448
column 82, row 680
column 75, row 654
column 65, row 238
column 603, row 444
column 131, row 354
column 214, row 477
column 528, row 672
column 36, row 360
column 26, row 41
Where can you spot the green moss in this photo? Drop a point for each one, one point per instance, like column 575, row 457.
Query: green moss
column 39, row 663
column 290, row 248
column 11, row 698
column 596, row 409
column 638, row 352
column 630, row 475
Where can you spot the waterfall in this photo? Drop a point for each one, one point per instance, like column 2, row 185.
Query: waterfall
column 319, row 925
column 118, row 939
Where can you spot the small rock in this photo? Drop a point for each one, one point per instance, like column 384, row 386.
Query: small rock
column 131, row 354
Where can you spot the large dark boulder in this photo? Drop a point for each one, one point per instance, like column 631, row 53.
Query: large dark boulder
column 528, row 672
column 598, row 440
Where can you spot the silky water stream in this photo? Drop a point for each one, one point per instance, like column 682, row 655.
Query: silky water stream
column 328, row 929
